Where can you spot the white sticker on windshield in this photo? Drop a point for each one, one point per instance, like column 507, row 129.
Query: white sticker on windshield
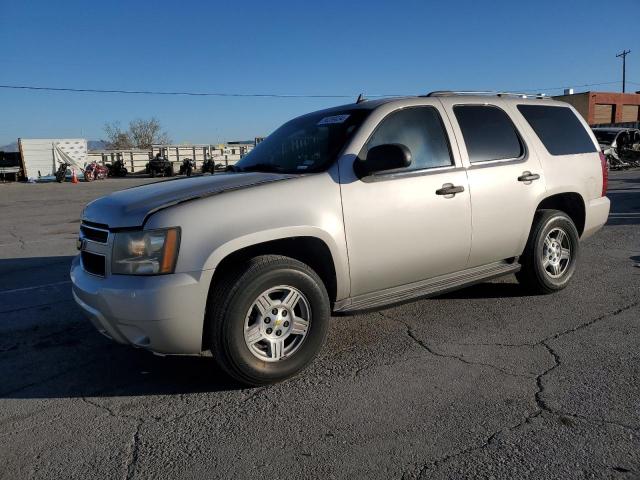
column 334, row 119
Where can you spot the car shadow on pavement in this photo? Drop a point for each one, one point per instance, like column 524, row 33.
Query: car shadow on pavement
column 81, row 365
column 48, row 349
column 488, row 290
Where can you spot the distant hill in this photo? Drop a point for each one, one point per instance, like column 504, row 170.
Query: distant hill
column 12, row 147
column 92, row 144
column 96, row 145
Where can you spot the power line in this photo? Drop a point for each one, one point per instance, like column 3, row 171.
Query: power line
column 567, row 86
column 257, row 95
column 183, row 93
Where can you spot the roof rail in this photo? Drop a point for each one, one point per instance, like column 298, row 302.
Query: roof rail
column 449, row 93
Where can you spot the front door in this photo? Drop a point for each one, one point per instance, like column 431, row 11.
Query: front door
column 402, row 226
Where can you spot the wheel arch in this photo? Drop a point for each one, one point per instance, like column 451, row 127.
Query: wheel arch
column 571, row 203
column 309, row 249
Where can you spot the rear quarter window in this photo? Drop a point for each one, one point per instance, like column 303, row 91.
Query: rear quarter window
column 558, row 128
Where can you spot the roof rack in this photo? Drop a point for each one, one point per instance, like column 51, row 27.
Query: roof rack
column 449, row 93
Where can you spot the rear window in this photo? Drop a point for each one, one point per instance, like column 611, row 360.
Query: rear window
column 488, row 133
column 558, row 128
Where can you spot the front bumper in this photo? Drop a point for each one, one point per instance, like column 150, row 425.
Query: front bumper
column 164, row 313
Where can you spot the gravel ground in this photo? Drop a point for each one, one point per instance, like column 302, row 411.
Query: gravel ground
column 481, row 383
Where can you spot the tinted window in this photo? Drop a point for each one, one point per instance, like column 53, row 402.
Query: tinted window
column 558, row 128
column 488, row 133
column 421, row 130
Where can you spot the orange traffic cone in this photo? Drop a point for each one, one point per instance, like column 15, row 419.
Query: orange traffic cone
column 74, row 179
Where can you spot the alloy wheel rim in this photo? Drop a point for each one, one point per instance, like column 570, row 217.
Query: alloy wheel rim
column 556, row 253
column 277, row 323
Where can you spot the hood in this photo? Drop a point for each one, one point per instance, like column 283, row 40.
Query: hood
column 131, row 207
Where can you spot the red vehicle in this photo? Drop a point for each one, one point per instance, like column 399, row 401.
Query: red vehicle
column 95, row 171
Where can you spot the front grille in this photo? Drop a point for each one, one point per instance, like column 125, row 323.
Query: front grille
column 94, row 234
column 93, row 263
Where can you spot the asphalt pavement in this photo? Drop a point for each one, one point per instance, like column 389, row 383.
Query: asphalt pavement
column 485, row 382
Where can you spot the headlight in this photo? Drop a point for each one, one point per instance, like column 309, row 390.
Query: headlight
column 146, row 252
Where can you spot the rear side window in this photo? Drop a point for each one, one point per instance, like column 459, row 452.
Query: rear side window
column 488, row 132
column 421, row 130
column 558, row 128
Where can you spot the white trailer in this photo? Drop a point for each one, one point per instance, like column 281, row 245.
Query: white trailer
column 41, row 156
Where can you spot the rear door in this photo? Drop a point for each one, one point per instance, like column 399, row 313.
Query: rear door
column 399, row 226
column 506, row 180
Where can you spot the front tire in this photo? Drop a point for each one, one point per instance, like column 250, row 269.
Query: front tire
column 549, row 259
column 269, row 318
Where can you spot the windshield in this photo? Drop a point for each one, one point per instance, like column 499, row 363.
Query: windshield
column 605, row 137
column 303, row 145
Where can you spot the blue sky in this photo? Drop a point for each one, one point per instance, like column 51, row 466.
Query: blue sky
column 289, row 47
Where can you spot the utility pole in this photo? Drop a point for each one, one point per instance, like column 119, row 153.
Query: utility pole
column 624, row 67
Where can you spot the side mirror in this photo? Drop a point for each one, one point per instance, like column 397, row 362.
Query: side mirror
column 390, row 156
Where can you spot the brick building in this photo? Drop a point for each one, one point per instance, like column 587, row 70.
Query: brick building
column 605, row 107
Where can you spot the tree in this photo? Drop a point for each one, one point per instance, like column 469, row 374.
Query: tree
column 141, row 134
column 145, row 133
column 116, row 138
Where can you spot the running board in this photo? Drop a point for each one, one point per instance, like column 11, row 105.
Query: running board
column 426, row 288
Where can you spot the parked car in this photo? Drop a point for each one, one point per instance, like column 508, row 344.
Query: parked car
column 159, row 165
column 620, row 145
column 341, row 210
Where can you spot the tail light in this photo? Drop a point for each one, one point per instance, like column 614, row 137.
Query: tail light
column 605, row 173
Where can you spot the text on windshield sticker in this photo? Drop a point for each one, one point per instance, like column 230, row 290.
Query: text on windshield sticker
column 334, row 119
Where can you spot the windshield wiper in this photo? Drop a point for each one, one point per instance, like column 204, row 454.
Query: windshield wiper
column 261, row 167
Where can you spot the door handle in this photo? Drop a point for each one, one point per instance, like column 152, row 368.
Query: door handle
column 449, row 190
column 528, row 177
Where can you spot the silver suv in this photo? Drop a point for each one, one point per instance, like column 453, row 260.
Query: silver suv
column 345, row 209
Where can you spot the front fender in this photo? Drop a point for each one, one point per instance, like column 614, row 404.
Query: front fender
column 339, row 262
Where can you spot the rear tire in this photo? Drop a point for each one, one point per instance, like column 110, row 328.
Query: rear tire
column 549, row 259
column 237, row 309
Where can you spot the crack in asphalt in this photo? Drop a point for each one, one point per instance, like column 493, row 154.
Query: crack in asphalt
column 541, row 404
column 460, row 358
column 135, row 452
column 112, row 413
column 19, row 238
column 138, row 422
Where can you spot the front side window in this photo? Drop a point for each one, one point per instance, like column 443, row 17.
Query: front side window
column 421, row 130
column 558, row 128
column 488, row 132
column 303, row 145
